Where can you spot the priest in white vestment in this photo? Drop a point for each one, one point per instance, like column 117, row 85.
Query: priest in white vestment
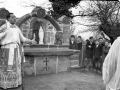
column 11, row 38
column 111, row 67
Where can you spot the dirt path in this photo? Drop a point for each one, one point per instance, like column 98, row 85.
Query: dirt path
column 74, row 80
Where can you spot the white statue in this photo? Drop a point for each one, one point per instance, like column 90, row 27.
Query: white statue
column 41, row 35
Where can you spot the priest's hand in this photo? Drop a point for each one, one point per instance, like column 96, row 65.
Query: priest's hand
column 31, row 42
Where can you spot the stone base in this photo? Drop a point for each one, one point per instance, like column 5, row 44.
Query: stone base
column 48, row 61
column 45, row 65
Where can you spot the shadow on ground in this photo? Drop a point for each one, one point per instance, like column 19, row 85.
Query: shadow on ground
column 74, row 80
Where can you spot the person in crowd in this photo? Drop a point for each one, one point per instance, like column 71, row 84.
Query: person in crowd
column 72, row 42
column 79, row 43
column 102, row 43
column 79, row 47
column 11, row 53
column 97, row 55
column 87, row 40
column 106, row 48
column 89, row 53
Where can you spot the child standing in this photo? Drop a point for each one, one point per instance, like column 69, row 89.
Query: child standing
column 79, row 47
column 89, row 53
column 72, row 43
column 97, row 54
column 105, row 51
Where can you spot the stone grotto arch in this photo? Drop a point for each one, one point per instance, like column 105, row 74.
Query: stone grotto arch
column 39, row 13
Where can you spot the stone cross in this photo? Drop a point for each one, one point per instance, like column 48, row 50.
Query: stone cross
column 46, row 65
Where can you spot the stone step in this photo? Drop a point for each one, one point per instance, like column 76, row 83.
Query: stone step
column 74, row 61
column 74, row 66
column 73, row 57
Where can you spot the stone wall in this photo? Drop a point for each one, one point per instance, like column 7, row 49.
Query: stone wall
column 45, row 65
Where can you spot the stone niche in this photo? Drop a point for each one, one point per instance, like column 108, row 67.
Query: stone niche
column 49, row 31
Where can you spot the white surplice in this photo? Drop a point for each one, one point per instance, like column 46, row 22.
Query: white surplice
column 12, row 34
column 10, row 71
column 111, row 67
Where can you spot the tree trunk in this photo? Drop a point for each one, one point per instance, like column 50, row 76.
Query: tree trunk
column 111, row 39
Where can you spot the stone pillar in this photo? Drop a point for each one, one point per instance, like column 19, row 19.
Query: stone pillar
column 47, row 37
column 65, row 25
column 66, row 34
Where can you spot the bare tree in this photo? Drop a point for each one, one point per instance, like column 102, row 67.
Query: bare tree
column 107, row 13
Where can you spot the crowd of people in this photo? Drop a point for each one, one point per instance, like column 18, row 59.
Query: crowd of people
column 95, row 51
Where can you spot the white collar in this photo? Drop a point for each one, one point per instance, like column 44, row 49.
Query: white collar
column 9, row 24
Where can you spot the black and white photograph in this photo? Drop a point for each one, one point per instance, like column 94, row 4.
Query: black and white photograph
column 59, row 45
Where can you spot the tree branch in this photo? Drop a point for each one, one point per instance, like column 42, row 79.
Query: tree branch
column 116, row 18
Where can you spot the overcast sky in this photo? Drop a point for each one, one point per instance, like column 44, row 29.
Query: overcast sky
column 16, row 6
